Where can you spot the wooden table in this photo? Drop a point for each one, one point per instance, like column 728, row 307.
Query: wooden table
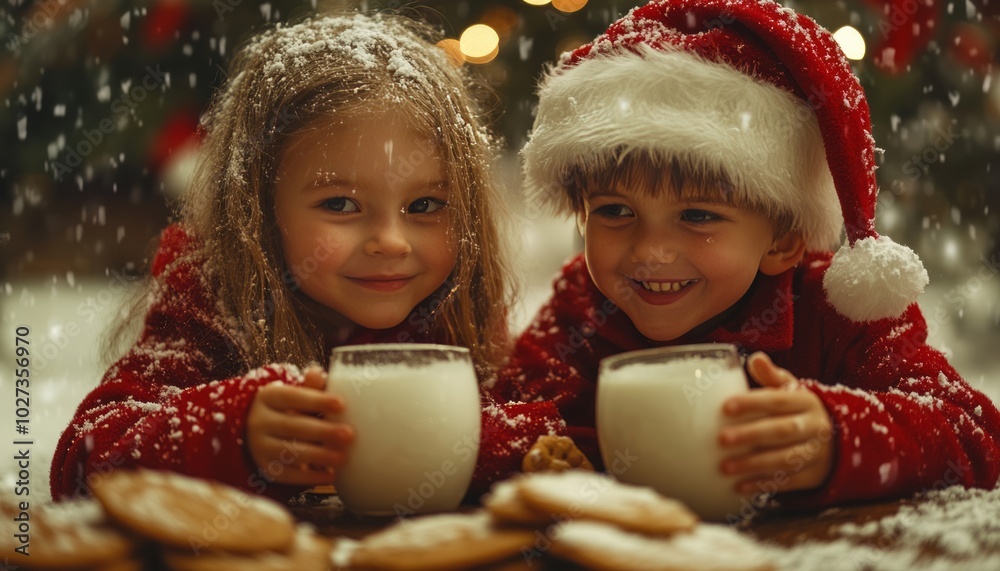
column 782, row 533
column 793, row 529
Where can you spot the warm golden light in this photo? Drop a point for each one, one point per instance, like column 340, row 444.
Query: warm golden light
column 851, row 42
column 453, row 49
column 500, row 18
column 479, row 41
column 568, row 6
column 485, row 59
column 536, row 2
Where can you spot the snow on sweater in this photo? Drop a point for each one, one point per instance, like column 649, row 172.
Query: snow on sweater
column 178, row 400
column 904, row 420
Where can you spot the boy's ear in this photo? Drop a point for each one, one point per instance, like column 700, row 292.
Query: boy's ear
column 581, row 221
column 784, row 254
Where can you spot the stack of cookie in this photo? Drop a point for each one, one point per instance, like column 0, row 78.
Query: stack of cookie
column 204, row 525
column 71, row 535
column 600, row 523
column 164, row 519
column 579, row 517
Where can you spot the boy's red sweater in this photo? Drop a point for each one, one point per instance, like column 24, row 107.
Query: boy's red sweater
column 904, row 420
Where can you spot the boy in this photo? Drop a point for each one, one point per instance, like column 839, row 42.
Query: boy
column 711, row 151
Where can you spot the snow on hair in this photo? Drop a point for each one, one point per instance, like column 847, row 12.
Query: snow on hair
column 285, row 80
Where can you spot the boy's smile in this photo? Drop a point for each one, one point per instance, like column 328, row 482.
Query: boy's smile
column 662, row 292
column 673, row 264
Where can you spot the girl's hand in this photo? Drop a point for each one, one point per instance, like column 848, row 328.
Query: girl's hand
column 788, row 439
column 289, row 439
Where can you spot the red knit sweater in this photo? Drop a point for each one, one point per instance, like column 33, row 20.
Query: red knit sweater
column 178, row 400
column 904, row 420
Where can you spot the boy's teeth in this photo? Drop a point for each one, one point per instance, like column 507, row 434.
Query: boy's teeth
column 665, row 287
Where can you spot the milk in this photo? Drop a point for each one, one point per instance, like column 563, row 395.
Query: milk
column 416, row 434
column 658, row 425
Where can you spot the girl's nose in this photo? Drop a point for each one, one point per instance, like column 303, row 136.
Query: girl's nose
column 388, row 238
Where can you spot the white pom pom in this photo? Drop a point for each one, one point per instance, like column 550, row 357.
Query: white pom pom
column 875, row 279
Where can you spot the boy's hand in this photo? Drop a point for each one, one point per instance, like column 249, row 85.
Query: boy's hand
column 554, row 454
column 789, row 439
column 287, row 436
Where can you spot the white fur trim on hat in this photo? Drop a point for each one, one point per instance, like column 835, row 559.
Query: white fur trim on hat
column 764, row 138
column 874, row 279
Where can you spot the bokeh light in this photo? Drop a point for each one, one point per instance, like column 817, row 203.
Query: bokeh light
column 502, row 19
column 568, row 6
column 479, row 43
column 851, row 42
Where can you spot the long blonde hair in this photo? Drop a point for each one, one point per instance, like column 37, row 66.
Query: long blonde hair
column 278, row 84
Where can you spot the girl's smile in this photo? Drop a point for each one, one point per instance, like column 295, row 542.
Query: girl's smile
column 383, row 283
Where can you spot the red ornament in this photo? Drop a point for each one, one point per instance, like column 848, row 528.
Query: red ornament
column 165, row 19
column 972, row 46
column 178, row 130
column 903, row 31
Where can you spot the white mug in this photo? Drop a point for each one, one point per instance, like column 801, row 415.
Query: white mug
column 659, row 412
column 416, row 417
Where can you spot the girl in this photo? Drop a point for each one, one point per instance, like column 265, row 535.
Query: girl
column 344, row 197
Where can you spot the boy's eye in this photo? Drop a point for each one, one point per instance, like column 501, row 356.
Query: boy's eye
column 340, row 204
column 614, row 211
column 696, row 216
column 425, row 205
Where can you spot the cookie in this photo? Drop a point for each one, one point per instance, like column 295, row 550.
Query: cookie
column 180, row 511
column 602, row 546
column 440, row 542
column 66, row 535
column 586, row 495
column 504, row 504
column 309, row 552
column 552, row 453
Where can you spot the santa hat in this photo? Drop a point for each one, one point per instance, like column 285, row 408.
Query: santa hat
column 743, row 87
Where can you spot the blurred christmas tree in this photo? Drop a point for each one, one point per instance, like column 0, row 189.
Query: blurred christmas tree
column 99, row 96
column 101, row 99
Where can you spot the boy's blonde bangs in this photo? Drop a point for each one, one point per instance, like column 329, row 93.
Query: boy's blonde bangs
column 654, row 175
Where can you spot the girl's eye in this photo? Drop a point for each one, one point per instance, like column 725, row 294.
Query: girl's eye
column 425, row 205
column 613, row 211
column 696, row 216
column 340, row 204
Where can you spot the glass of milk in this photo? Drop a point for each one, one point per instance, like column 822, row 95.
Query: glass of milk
column 659, row 412
column 416, row 417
